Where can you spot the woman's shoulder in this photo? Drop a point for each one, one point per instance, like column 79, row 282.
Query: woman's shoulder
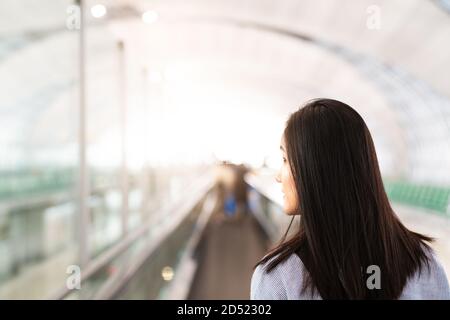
column 282, row 282
column 430, row 282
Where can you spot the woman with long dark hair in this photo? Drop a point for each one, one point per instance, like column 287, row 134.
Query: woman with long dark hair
column 349, row 244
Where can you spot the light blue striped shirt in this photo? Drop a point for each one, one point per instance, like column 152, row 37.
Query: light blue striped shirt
column 285, row 280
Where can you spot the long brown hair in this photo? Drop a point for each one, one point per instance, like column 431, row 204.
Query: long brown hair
column 347, row 223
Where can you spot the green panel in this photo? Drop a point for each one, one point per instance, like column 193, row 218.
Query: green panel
column 434, row 198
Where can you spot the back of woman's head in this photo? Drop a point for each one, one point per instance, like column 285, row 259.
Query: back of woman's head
column 347, row 223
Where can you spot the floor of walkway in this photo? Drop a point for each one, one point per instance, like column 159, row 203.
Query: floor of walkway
column 229, row 250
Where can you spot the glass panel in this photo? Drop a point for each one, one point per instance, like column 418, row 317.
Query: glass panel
column 38, row 154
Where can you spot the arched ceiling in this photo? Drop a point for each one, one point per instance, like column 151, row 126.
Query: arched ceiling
column 265, row 57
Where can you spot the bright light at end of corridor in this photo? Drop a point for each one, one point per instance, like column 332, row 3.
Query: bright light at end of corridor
column 98, row 11
column 155, row 77
column 150, row 17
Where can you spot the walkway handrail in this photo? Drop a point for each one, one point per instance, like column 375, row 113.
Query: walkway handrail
column 271, row 225
column 176, row 212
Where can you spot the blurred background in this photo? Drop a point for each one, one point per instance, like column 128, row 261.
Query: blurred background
column 139, row 138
